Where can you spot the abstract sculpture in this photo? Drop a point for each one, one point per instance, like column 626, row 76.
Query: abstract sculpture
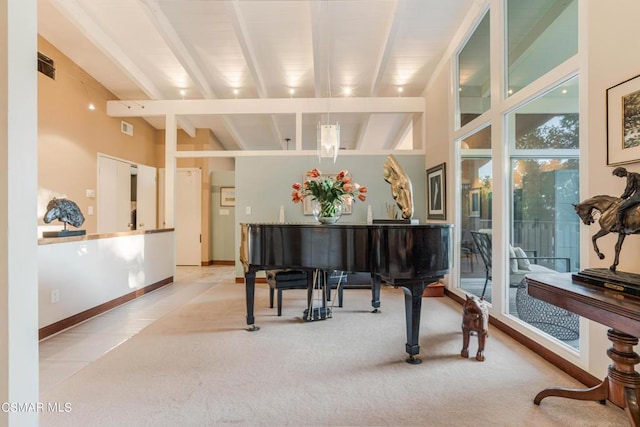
column 65, row 211
column 401, row 189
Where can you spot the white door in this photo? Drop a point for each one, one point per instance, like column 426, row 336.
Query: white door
column 146, row 198
column 188, row 214
column 114, row 195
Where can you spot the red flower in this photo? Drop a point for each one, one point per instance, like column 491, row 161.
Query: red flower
column 328, row 189
column 313, row 173
column 297, row 197
column 363, row 189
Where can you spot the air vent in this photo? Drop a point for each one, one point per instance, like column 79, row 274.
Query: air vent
column 46, row 66
column 126, row 128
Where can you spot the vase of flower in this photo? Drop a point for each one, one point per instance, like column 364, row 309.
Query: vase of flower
column 328, row 194
column 327, row 212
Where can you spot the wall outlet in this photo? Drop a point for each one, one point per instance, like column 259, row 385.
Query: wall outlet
column 55, row 296
column 247, row 210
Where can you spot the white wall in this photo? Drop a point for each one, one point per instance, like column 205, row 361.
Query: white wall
column 90, row 272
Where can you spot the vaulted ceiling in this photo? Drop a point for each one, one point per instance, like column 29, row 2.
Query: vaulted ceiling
column 247, row 49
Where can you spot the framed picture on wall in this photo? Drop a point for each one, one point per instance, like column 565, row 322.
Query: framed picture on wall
column 474, row 202
column 623, row 122
column 436, row 192
column 227, row 196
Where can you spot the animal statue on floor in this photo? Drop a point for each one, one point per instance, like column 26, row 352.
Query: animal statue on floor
column 401, row 188
column 608, row 207
column 475, row 318
column 65, row 211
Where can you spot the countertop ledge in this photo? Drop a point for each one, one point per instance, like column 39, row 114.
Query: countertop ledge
column 52, row 240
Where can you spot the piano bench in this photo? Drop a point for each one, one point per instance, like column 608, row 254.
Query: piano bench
column 285, row 279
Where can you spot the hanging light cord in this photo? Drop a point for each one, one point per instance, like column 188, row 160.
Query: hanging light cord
column 328, row 59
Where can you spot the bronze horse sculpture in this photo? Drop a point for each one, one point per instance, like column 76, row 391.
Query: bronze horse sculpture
column 608, row 208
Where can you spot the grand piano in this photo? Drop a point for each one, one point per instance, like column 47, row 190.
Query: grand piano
column 409, row 256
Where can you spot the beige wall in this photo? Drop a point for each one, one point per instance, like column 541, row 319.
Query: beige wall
column 437, row 123
column 70, row 136
column 612, row 41
column 613, row 58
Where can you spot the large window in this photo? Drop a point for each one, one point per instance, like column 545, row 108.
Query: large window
column 476, row 211
column 518, row 164
column 541, row 34
column 474, row 84
column 543, row 140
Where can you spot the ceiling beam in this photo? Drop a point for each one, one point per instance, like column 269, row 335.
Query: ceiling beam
column 147, row 108
column 279, row 153
column 362, row 132
column 402, row 132
column 233, row 7
column 392, row 31
column 177, row 47
column 240, row 27
column 72, row 10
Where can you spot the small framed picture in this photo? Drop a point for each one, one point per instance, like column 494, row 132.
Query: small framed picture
column 227, row 196
column 623, row 122
column 474, row 202
column 436, row 192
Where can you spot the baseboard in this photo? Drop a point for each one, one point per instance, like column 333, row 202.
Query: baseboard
column 258, row 280
column 569, row 368
column 206, row 263
column 63, row 324
column 222, row 262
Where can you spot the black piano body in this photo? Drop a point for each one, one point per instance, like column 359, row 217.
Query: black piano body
column 409, row 256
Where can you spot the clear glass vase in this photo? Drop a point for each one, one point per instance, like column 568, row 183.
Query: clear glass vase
column 327, row 212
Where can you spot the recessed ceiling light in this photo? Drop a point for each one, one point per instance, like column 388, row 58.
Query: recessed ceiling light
column 564, row 91
column 347, row 91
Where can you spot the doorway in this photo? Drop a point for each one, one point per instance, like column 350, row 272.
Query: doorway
column 188, row 214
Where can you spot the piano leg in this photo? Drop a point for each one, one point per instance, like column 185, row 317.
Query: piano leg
column 250, row 289
column 413, row 305
column 375, row 293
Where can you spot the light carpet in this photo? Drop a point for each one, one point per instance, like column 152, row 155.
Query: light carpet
column 198, row 366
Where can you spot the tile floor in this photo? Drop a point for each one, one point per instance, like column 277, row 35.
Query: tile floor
column 67, row 352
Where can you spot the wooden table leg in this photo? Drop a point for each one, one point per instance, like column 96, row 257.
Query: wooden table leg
column 622, row 385
column 599, row 392
column 632, row 410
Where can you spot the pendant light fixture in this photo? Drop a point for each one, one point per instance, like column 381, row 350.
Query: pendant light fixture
column 328, row 133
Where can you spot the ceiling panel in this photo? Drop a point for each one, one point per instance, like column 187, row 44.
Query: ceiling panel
column 261, row 48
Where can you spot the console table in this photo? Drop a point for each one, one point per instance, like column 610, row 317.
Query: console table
column 610, row 308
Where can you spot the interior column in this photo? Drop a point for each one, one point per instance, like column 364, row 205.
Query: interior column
column 18, row 211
